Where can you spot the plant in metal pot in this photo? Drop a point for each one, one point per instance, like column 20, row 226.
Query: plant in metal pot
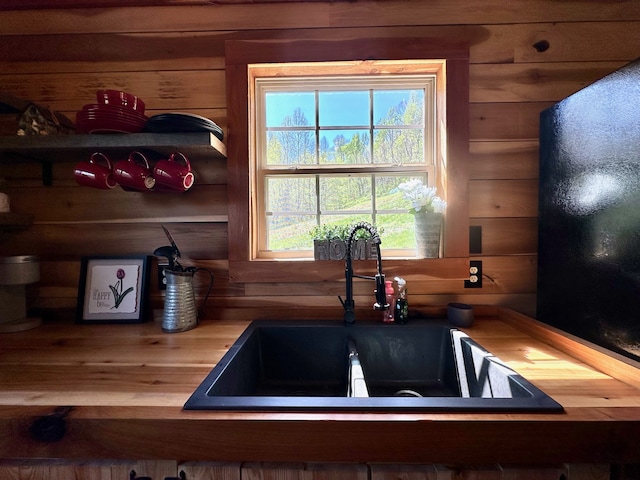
column 329, row 242
column 428, row 210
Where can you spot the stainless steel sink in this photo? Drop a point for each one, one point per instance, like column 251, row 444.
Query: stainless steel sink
column 304, row 365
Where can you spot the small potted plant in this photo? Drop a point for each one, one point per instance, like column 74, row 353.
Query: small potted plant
column 428, row 210
column 330, row 243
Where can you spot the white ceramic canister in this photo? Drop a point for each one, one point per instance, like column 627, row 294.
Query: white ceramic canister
column 19, row 270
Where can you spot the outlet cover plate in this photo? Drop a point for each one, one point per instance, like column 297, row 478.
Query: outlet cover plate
column 475, row 275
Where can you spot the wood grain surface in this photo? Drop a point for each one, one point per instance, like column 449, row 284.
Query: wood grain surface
column 521, row 61
column 120, row 391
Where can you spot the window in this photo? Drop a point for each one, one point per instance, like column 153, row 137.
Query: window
column 449, row 150
column 333, row 142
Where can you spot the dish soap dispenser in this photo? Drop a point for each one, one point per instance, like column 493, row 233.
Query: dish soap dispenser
column 401, row 307
column 388, row 315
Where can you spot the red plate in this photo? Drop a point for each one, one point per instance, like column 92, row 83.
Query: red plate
column 114, row 110
column 99, row 124
column 117, row 118
column 98, row 118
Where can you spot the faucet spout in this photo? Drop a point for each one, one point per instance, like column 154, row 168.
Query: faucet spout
column 348, row 303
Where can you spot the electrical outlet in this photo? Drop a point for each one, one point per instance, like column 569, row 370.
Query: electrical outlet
column 475, row 275
column 162, row 279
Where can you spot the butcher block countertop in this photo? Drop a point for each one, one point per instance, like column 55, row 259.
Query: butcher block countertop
column 116, row 392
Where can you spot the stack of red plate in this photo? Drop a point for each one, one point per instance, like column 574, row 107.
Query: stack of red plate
column 101, row 118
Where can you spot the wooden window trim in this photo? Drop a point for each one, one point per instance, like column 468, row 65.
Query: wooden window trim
column 423, row 74
column 240, row 53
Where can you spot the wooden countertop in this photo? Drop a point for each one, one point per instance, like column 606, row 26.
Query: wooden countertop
column 116, row 391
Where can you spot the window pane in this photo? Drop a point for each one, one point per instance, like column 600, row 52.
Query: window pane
column 290, row 232
column 398, row 196
column 287, row 109
column 291, row 194
column 344, row 109
column 345, row 147
column 389, row 198
column 398, row 146
column 398, row 107
column 348, row 193
column 291, row 147
column 344, row 221
column 397, row 230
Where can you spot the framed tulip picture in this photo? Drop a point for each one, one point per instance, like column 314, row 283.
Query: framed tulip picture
column 113, row 289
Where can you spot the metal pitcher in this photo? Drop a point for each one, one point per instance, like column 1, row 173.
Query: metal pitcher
column 180, row 312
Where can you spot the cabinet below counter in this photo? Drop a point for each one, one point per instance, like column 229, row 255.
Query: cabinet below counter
column 82, row 392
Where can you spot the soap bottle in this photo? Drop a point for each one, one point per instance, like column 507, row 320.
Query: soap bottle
column 401, row 307
column 389, row 315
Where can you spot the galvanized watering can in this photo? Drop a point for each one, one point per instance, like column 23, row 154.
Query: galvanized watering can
column 180, row 312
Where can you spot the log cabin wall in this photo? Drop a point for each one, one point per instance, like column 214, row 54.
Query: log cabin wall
column 525, row 55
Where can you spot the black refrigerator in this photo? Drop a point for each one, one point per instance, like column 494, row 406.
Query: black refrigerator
column 589, row 213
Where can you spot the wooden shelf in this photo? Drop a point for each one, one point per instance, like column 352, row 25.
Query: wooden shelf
column 198, row 145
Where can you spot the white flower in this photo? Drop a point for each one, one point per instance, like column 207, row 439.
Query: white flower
column 438, row 205
column 421, row 197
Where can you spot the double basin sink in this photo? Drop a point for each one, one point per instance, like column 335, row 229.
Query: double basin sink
column 426, row 365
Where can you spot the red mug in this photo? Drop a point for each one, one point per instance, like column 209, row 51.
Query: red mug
column 173, row 173
column 94, row 173
column 134, row 173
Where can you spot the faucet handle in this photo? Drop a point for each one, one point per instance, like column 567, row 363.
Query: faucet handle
column 349, row 310
column 381, row 296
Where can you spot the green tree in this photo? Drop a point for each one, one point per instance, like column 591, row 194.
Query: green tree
column 356, row 151
column 339, row 142
column 274, row 150
column 406, row 145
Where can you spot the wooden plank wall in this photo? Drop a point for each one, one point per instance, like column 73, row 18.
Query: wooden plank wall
column 525, row 55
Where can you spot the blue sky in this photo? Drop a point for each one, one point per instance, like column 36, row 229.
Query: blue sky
column 336, row 108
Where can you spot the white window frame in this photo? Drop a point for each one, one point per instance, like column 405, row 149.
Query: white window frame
column 429, row 75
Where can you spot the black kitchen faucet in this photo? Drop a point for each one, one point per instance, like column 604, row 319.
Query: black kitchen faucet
column 348, row 303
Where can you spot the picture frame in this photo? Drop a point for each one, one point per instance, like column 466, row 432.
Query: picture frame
column 113, row 289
